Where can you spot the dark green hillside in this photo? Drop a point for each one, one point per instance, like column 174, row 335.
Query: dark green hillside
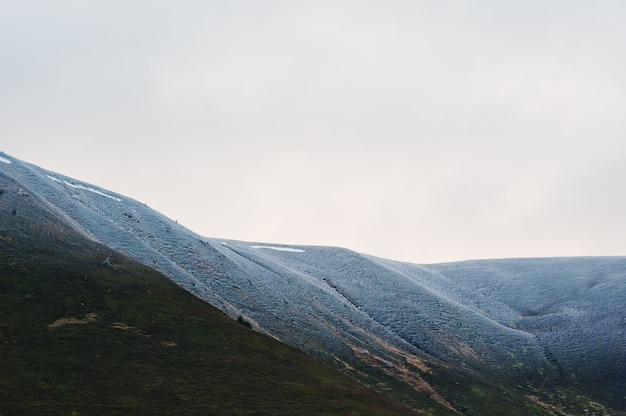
column 79, row 337
column 86, row 330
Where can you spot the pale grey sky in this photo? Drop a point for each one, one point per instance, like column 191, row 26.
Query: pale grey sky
column 423, row 131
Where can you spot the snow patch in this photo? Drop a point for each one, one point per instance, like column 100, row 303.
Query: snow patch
column 289, row 249
column 5, row 160
column 84, row 188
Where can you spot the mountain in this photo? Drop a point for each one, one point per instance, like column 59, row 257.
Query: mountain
column 86, row 330
column 517, row 336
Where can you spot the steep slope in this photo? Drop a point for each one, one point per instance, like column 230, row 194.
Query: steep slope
column 524, row 336
column 81, row 337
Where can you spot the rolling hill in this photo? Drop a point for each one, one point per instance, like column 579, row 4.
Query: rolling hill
column 517, row 336
column 87, row 330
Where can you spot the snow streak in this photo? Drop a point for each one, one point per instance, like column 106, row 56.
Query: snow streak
column 84, row 188
column 289, row 249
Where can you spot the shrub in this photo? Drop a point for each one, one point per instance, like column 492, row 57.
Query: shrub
column 244, row 322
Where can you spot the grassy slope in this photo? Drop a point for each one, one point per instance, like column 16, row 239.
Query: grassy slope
column 135, row 343
column 152, row 348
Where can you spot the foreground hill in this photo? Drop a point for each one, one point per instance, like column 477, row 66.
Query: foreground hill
column 81, row 337
column 491, row 337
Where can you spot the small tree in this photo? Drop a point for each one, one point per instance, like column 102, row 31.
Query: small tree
column 244, row 322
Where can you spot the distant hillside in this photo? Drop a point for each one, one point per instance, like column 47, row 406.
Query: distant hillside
column 485, row 337
column 81, row 337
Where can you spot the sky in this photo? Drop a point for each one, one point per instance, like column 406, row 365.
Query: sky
column 423, row 131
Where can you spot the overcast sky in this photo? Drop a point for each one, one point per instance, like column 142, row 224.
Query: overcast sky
column 423, row 131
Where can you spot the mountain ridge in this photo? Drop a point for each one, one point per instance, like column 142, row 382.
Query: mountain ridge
column 365, row 314
column 83, row 335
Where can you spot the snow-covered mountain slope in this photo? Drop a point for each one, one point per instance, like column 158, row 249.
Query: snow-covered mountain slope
column 554, row 317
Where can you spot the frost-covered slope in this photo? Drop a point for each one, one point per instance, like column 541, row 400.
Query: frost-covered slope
column 554, row 317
